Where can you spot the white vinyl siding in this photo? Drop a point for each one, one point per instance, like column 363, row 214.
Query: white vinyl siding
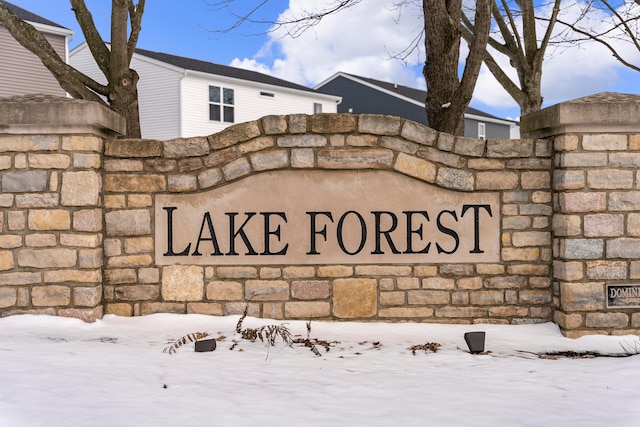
column 158, row 93
column 250, row 103
column 22, row 72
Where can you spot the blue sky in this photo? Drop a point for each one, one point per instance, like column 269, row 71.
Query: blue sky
column 361, row 40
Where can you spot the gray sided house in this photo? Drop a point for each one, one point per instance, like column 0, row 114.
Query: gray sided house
column 184, row 97
column 364, row 95
column 22, row 72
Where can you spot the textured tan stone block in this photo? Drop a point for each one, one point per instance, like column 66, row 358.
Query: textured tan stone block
column 531, row 238
column 333, row 123
column 218, row 290
column 536, row 180
column 306, row 309
column 486, row 298
column 49, row 161
column 236, row 169
column 582, row 160
column 270, row 273
column 455, row 179
column 182, row 283
column 415, row 167
column 438, row 283
column 503, row 148
column 470, row 283
column 567, row 321
column 460, row 312
column 120, row 276
column 508, row 311
column 419, row 133
column 607, row 320
column 129, row 261
column 237, row 272
column 274, row 124
column 442, row 157
column 16, row 279
column 534, row 296
column 301, row 141
column 566, row 142
column 88, row 220
column 302, row 158
column 610, row 179
column 603, row 225
column 266, row 290
column 406, row 312
column 233, row 134
column 379, row 124
column 355, row 158
column 425, row 270
column 267, row 160
column 354, row 298
column 604, row 142
column 87, row 161
column 568, row 179
column 397, row 144
column 149, row 275
column 124, row 183
column 607, row 270
column 6, row 260
column 209, row 178
column 208, row 308
column 162, row 307
column 87, row 296
column 88, row 315
column 186, row 147
column 567, row 225
column 490, row 269
column 496, row 180
column 405, row 283
column 569, row 271
column 136, row 293
column 123, row 165
column 133, row 222
column 392, row 298
column 47, row 258
column 182, row 183
column 310, row 289
column 383, row 270
column 50, row 296
column 633, row 224
column 220, row 157
column 428, row 297
column 138, row 245
column 22, row 143
column 624, row 201
column 79, row 276
column 335, row 271
column 80, row 188
column 298, row 272
column 49, row 219
column 505, row 282
column 517, row 254
column 575, row 296
column 8, row 297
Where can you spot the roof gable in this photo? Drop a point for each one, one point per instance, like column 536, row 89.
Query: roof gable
column 404, row 92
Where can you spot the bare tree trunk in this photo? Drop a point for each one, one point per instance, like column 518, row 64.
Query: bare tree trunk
column 121, row 90
column 448, row 96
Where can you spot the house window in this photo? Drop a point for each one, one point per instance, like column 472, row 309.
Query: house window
column 221, row 104
column 317, row 108
column 482, row 133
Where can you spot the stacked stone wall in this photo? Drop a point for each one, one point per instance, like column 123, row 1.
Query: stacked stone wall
column 516, row 289
column 597, row 230
column 51, row 221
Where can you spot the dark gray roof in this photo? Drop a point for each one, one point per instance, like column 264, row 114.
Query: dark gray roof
column 221, row 70
column 25, row 15
column 416, row 94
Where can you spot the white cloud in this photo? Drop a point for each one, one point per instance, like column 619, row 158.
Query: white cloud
column 362, row 40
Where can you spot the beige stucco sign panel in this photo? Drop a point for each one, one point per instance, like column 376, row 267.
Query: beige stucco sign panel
column 327, row 217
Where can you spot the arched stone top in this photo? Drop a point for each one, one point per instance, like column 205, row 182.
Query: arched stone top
column 325, row 142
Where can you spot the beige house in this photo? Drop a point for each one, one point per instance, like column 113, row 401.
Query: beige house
column 22, row 72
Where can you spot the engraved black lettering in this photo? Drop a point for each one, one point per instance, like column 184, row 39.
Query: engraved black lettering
column 268, row 233
column 417, row 231
column 314, row 232
column 170, row 251
column 363, row 232
column 387, row 233
column 212, row 233
column 233, row 233
column 448, row 231
column 476, row 224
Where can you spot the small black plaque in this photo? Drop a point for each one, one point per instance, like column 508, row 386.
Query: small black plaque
column 623, row 296
column 205, row 345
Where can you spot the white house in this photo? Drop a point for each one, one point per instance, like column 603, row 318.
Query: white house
column 22, row 72
column 183, row 97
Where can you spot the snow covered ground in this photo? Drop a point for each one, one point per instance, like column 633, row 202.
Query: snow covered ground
column 62, row 372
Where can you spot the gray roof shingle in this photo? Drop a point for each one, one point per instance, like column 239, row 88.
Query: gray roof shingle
column 221, row 70
column 25, row 15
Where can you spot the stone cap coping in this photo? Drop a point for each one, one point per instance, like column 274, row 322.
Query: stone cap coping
column 38, row 113
column 605, row 112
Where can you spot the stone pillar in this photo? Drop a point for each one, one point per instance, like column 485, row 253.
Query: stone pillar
column 51, row 221
column 596, row 221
